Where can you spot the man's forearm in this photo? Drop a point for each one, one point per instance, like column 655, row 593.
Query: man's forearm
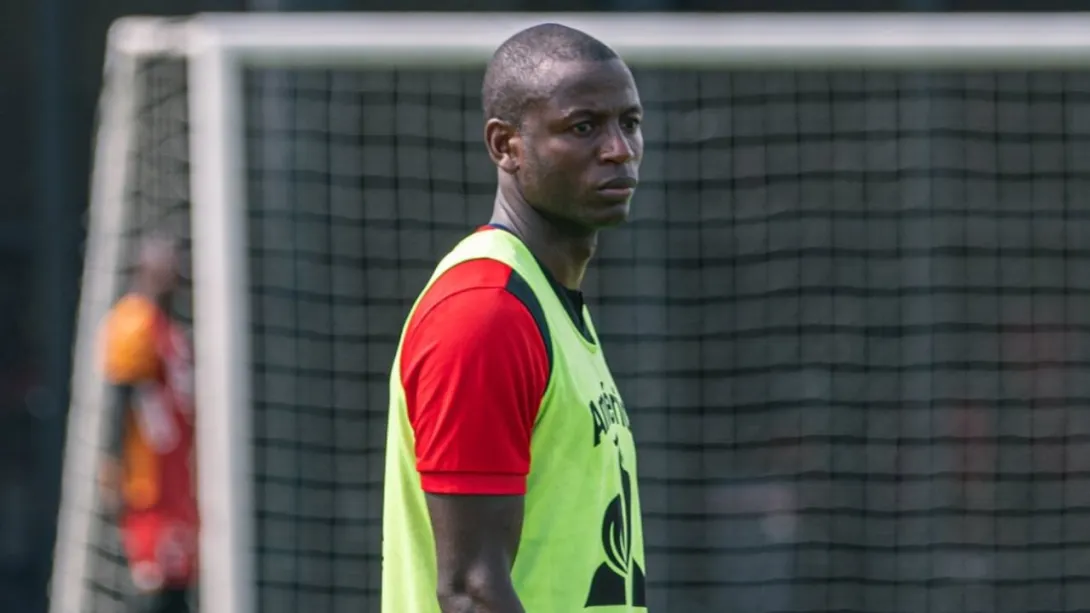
column 109, row 468
column 115, row 420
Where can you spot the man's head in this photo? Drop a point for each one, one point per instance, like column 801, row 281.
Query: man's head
column 562, row 125
column 157, row 266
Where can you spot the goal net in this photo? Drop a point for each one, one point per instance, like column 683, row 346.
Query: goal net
column 850, row 316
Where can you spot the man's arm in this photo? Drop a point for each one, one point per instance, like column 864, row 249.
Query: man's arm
column 476, row 540
column 115, row 418
column 110, row 468
column 129, row 358
column 474, row 367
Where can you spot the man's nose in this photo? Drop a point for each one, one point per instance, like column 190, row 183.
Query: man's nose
column 618, row 147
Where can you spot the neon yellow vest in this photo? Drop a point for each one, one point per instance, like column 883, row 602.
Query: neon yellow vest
column 582, row 536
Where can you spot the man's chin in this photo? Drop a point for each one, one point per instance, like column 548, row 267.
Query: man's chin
column 611, row 215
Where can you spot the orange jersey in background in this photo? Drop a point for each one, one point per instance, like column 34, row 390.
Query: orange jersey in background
column 146, row 350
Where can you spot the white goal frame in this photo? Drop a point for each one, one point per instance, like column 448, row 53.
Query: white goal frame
column 219, row 46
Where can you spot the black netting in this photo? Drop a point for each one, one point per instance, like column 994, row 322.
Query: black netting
column 157, row 199
column 849, row 318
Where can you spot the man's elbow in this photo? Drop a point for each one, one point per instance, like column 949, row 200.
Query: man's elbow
column 474, row 587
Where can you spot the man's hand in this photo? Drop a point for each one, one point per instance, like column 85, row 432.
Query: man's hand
column 476, row 540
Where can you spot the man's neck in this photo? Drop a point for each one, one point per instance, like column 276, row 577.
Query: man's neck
column 146, row 290
column 564, row 251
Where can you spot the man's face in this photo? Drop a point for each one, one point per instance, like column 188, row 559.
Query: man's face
column 579, row 149
column 160, row 262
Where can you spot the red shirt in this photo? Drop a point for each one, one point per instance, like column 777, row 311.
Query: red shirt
column 474, row 367
column 147, row 351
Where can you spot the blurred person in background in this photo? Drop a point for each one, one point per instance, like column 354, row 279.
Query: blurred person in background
column 148, row 476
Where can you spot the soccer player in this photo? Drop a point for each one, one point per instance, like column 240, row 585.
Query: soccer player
column 510, row 465
column 149, row 470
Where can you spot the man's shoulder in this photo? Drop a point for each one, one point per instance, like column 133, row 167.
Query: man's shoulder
column 133, row 308
column 129, row 334
column 476, row 296
column 482, row 282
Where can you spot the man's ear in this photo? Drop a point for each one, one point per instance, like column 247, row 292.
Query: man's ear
column 504, row 144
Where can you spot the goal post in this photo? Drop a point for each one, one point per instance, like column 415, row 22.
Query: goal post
column 100, row 285
column 195, row 159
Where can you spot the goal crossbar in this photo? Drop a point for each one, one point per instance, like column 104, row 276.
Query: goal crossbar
column 730, row 41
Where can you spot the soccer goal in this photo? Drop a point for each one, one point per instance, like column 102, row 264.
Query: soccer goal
column 850, row 315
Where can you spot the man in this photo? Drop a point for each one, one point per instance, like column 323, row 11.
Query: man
column 511, row 470
column 149, row 470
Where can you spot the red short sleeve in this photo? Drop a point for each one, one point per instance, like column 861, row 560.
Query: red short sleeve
column 474, row 367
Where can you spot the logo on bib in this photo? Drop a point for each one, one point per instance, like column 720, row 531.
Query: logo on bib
column 607, row 411
column 619, row 580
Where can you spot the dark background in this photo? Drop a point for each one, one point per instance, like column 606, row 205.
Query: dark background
column 51, row 55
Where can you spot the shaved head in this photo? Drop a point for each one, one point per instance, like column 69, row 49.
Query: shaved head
column 562, row 126
column 157, row 263
column 520, row 72
column 156, row 249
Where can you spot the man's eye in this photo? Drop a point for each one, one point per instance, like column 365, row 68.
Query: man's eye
column 582, row 128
